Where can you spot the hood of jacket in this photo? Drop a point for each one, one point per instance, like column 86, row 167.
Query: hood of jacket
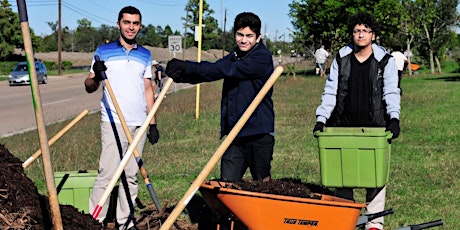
column 378, row 51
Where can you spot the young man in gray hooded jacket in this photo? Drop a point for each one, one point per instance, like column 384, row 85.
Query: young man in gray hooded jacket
column 362, row 91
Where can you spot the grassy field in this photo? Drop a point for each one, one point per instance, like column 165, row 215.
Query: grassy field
column 424, row 181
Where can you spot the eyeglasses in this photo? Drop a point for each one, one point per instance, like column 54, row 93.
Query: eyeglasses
column 364, row 31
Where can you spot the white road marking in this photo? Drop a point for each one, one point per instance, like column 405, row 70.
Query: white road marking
column 57, row 102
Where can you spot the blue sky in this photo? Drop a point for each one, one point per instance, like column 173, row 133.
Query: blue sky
column 273, row 13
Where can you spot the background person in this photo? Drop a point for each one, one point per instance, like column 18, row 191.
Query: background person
column 245, row 71
column 159, row 77
column 400, row 60
column 321, row 56
column 349, row 100
column 129, row 69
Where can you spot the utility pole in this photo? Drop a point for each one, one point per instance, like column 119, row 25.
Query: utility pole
column 185, row 31
column 223, row 33
column 59, row 38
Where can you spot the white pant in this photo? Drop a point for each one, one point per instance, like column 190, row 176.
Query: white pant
column 376, row 205
column 109, row 162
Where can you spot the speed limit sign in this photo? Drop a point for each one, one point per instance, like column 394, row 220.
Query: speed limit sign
column 175, row 44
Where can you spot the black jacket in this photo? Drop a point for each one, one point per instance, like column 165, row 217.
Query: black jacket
column 243, row 79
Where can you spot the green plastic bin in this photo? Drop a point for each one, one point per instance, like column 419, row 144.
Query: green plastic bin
column 354, row 157
column 74, row 188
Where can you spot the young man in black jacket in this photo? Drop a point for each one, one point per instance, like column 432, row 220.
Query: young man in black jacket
column 245, row 70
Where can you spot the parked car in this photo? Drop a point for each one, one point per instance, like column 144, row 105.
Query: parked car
column 20, row 74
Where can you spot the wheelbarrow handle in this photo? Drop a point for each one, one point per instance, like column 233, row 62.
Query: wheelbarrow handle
column 423, row 225
column 362, row 220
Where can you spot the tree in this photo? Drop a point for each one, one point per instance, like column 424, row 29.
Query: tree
column 410, row 26
column 84, row 36
column 439, row 17
column 210, row 24
column 10, row 34
column 319, row 22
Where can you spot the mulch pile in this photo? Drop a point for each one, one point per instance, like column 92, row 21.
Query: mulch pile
column 22, row 207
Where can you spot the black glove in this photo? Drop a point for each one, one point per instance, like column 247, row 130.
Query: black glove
column 318, row 127
column 393, row 127
column 153, row 135
column 175, row 69
column 98, row 68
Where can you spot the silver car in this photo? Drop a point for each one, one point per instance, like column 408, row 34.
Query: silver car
column 20, row 75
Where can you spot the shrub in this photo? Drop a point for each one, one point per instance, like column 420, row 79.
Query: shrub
column 6, row 67
column 50, row 65
column 66, row 65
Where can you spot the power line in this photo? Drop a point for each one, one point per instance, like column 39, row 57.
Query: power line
column 85, row 13
column 69, row 6
column 165, row 3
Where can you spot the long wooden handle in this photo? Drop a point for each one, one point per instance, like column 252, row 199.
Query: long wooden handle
column 221, row 150
column 41, row 127
column 31, row 159
column 129, row 152
column 136, row 154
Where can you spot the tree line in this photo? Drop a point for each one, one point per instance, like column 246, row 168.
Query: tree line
column 425, row 27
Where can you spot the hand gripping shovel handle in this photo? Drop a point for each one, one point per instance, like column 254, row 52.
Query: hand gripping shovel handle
column 129, row 152
column 137, row 155
column 220, row 151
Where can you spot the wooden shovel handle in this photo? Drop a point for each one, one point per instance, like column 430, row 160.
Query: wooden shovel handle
column 31, row 159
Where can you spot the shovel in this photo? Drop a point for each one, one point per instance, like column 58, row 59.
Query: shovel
column 39, row 116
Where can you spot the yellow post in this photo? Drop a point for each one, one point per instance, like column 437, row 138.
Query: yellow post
column 200, row 29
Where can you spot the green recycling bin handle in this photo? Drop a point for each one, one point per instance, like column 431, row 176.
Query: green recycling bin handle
column 389, row 134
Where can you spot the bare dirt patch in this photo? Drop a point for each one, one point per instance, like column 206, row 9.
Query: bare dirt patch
column 160, row 54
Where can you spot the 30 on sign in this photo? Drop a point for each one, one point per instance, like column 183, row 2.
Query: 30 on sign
column 175, row 44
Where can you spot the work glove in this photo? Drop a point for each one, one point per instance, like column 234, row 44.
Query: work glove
column 318, row 127
column 98, row 68
column 175, row 69
column 393, row 127
column 153, row 135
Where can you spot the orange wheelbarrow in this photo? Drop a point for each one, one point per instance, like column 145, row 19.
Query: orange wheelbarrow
column 255, row 211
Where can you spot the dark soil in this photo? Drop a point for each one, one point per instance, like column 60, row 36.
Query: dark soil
column 22, row 207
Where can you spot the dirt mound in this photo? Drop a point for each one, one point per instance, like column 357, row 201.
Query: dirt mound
column 22, row 207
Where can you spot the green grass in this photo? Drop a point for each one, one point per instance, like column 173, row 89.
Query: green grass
column 424, row 181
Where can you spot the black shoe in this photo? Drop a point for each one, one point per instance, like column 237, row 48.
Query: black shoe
column 132, row 228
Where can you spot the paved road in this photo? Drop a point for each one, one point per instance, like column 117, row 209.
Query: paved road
column 62, row 98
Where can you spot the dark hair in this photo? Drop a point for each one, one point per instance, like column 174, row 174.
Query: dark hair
column 247, row 19
column 129, row 10
column 362, row 18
